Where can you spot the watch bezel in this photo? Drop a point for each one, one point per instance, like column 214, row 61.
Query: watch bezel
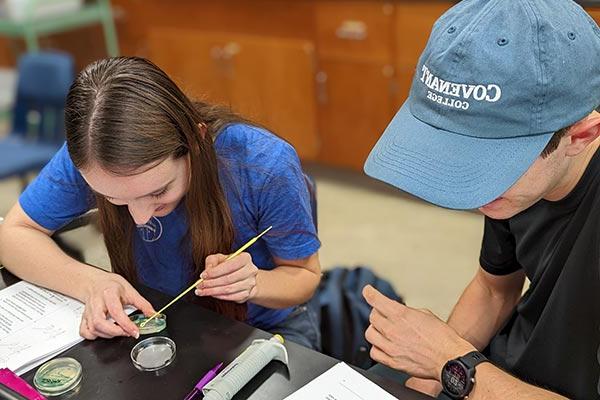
column 470, row 379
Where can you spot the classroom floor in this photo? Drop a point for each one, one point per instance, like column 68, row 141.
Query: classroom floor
column 429, row 254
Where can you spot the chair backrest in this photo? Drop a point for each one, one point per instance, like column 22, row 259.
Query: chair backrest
column 43, row 82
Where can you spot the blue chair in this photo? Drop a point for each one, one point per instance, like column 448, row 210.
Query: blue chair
column 38, row 128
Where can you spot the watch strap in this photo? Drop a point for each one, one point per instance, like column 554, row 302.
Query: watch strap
column 472, row 359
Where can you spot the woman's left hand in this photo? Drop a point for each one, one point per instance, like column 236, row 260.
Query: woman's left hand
column 232, row 280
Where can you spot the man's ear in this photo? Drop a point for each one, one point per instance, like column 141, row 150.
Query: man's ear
column 583, row 133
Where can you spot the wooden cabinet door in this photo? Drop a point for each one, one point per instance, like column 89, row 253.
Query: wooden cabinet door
column 268, row 80
column 355, row 30
column 194, row 61
column 355, row 106
column 272, row 82
column 355, row 78
column 414, row 20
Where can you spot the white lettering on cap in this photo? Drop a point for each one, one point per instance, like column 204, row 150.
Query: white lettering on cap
column 490, row 93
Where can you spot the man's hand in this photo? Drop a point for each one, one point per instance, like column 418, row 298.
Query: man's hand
column 430, row 387
column 414, row 341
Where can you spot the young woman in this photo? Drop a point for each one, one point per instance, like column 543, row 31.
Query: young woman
column 178, row 186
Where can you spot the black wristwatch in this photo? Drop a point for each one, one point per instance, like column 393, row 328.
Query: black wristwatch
column 458, row 375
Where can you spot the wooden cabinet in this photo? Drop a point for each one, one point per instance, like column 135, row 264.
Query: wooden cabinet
column 269, row 80
column 357, row 31
column 414, row 20
column 355, row 105
column 327, row 75
column 191, row 60
column 355, row 79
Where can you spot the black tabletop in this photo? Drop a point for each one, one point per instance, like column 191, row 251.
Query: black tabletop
column 203, row 339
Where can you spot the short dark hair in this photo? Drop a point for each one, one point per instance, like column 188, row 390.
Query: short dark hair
column 554, row 142
column 556, row 138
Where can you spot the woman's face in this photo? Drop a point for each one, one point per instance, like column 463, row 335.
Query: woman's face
column 151, row 192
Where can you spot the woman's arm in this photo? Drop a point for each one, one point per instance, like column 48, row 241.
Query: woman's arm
column 291, row 283
column 28, row 251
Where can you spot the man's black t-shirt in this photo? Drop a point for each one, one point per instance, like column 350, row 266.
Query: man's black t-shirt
column 552, row 339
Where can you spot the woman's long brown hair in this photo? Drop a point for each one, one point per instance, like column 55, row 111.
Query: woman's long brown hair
column 125, row 115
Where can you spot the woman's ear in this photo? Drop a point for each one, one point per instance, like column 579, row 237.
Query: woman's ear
column 583, row 133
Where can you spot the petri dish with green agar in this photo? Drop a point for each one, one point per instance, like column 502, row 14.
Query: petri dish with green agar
column 153, row 353
column 58, row 376
column 156, row 325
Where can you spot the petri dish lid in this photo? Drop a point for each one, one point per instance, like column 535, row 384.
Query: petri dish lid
column 153, row 353
column 58, row 376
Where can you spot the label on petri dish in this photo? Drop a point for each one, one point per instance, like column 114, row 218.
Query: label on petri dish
column 154, row 326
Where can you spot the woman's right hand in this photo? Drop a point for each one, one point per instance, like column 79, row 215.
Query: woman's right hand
column 105, row 299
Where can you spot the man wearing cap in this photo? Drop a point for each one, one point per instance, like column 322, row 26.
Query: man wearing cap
column 501, row 118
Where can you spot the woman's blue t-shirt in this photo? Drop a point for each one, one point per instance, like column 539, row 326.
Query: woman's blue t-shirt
column 263, row 183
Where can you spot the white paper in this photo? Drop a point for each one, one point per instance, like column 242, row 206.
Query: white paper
column 341, row 382
column 36, row 324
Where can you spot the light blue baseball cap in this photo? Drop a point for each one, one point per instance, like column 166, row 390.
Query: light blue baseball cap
column 496, row 80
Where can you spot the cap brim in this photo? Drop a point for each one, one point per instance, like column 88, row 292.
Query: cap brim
column 449, row 169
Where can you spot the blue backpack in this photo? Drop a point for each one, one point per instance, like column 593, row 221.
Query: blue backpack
column 345, row 313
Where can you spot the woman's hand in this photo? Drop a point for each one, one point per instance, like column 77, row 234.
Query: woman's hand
column 232, row 280
column 105, row 300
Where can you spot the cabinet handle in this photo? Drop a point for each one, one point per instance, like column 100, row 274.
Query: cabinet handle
column 230, row 50
column 321, row 79
column 352, row 30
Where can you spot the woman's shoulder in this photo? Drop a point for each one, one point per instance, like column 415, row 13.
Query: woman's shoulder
column 61, row 168
column 252, row 144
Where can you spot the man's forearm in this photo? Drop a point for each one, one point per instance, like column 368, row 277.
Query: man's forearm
column 481, row 311
column 494, row 384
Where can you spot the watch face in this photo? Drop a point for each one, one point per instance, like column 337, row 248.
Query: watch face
column 454, row 378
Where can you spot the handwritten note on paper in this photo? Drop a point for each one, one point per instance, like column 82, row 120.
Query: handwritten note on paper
column 35, row 324
column 341, row 382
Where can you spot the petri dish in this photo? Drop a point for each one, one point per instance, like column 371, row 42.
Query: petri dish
column 153, row 353
column 58, row 376
column 156, row 325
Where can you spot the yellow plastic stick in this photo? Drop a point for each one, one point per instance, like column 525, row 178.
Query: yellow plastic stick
column 241, row 249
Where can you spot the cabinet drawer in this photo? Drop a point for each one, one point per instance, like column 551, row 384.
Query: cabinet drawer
column 355, row 30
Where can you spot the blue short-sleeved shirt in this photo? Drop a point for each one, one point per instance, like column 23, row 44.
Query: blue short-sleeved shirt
column 263, row 183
